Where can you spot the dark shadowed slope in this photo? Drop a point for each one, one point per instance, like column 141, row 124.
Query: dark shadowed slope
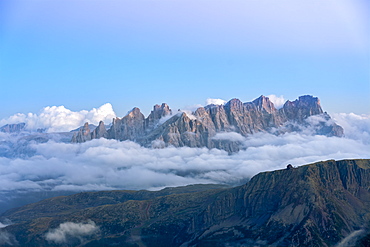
column 321, row 204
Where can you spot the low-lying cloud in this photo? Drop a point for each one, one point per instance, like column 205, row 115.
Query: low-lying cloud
column 70, row 232
column 229, row 136
column 356, row 127
column 103, row 164
column 7, row 238
column 59, row 118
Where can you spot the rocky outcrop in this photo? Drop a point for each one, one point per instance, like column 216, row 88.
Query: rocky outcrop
column 301, row 109
column 313, row 205
column 200, row 129
column 13, row 128
column 321, row 204
column 100, row 131
column 84, row 133
column 158, row 112
column 130, row 127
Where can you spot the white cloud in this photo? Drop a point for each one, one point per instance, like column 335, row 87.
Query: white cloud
column 69, row 231
column 59, row 118
column 2, row 225
column 110, row 164
column 7, row 239
column 356, row 127
column 210, row 101
column 230, row 136
column 351, row 239
column 278, row 101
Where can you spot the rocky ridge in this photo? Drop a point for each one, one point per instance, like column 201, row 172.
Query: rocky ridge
column 199, row 129
column 13, row 128
column 321, row 204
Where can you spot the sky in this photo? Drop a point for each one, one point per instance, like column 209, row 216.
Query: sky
column 81, row 55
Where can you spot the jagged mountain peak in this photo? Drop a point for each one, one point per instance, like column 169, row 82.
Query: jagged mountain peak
column 198, row 128
column 264, row 103
column 134, row 111
column 13, row 128
column 302, row 108
column 305, row 100
column 234, row 104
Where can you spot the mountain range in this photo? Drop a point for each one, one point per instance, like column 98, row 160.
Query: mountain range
column 215, row 126
column 321, row 204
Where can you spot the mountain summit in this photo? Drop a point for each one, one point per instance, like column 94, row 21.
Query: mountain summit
column 215, row 126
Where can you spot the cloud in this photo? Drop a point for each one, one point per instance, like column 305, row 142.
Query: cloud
column 210, row 101
column 111, row 164
column 230, row 136
column 351, row 239
column 59, row 118
column 7, row 238
column 278, row 101
column 70, row 232
column 356, row 127
column 2, row 225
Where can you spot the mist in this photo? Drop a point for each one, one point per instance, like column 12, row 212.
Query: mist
column 55, row 168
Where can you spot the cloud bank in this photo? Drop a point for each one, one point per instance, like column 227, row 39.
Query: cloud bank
column 230, row 136
column 54, row 167
column 59, row 118
column 7, row 239
column 70, row 232
column 111, row 164
column 356, row 127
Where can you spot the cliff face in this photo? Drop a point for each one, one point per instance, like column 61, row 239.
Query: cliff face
column 200, row 128
column 13, row 128
column 313, row 205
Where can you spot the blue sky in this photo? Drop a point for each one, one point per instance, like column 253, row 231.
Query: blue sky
column 83, row 54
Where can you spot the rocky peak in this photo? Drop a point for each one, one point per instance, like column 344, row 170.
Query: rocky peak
column 234, row 105
column 82, row 135
column 162, row 110
column 130, row 127
column 157, row 113
column 134, row 113
column 100, row 131
column 13, row 128
column 302, row 108
column 85, row 129
column 198, row 130
column 264, row 104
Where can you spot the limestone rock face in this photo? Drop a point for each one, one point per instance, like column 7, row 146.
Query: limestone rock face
column 301, row 109
column 13, row 128
column 100, row 131
column 82, row 135
column 200, row 128
column 157, row 113
column 130, row 127
column 85, row 134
